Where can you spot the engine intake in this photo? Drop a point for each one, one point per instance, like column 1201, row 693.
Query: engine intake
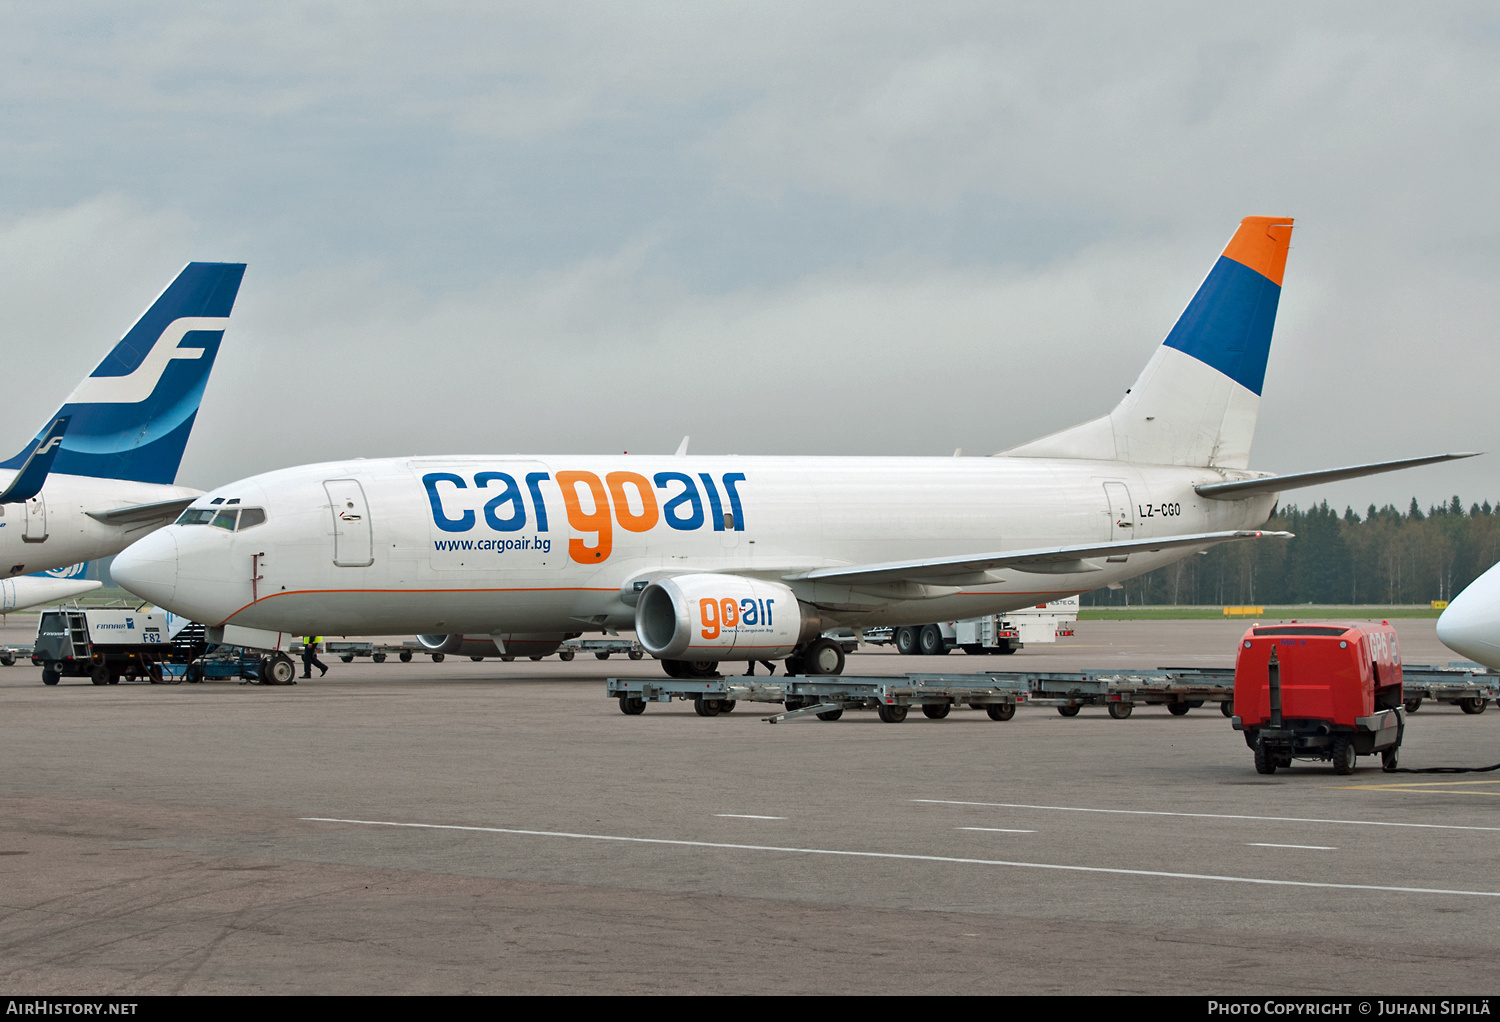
column 721, row 617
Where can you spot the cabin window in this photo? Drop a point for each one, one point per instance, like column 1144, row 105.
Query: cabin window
column 250, row 517
column 196, row 516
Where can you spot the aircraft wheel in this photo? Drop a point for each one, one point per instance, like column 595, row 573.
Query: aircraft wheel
column 477, row 659
column 831, row 715
column 1001, row 711
column 823, row 657
column 1120, row 711
column 50, row 677
column 930, row 641
column 632, row 706
column 794, row 666
column 906, row 640
column 1343, row 756
column 701, row 668
column 404, row 657
column 1178, row 709
column 1413, row 705
column 1069, row 711
column 566, row 655
column 99, row 675
column 1473, row 705
column 935, row 711
column 535, row 658
column 279, row 670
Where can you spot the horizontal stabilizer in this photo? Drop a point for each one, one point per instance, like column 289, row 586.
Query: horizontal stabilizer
column 163, row 510
column 33, row 475
column 1275, row 484
column 1046, row 561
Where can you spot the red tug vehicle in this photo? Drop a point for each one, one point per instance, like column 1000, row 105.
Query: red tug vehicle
column 1321, row 690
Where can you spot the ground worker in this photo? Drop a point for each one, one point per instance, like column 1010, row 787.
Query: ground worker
column 310, row 656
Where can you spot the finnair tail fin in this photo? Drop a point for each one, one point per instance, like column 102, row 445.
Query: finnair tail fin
column 1196, row 401
column 131, row 417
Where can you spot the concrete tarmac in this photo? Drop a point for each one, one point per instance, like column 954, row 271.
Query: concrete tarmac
column 503, row 828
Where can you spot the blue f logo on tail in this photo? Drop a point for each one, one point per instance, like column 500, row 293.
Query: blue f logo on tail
column 131, row 417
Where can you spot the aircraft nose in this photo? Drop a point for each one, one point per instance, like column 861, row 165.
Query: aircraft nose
column 1471, row 624
column 148, row 568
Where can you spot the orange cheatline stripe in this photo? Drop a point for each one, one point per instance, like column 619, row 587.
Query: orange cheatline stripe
column 1261, row 244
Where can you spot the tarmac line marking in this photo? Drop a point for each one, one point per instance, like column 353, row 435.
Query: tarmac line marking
column 997, row 830
column 1310, row 848
column 1205, row 816
column 906, row 857
column 747, row 816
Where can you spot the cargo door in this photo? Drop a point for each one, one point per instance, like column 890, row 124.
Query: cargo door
column 353, row 541
column 36, row 520
column 1121, row 516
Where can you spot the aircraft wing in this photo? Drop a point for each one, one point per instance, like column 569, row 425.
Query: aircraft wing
column 1275, row 484
column 162, row 509
column 33, row 474
column 1048, row 561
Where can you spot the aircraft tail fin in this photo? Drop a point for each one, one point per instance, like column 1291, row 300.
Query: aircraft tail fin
column 1196, row 401
column 130, row 418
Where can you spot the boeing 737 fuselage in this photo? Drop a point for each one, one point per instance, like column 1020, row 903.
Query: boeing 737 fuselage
column 733, row 558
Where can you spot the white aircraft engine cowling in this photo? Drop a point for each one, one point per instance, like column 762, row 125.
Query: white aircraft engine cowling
column 721, row 617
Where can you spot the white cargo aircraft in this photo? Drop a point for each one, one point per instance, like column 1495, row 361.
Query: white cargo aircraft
column 100, row 474
column 1471, row 622
column 731, row 558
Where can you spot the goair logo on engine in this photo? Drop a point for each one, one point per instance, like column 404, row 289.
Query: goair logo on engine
column 717, row 616
column 594, row 507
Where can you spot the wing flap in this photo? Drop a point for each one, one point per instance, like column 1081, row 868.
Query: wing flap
column 1053, row 560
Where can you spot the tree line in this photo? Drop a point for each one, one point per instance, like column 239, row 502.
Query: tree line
column 1383, row 557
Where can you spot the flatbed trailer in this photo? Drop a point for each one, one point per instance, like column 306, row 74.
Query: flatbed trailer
column 378, row 652
column 1469, row 688
column 602, row 649
column 1179, row 689
column 10, row 654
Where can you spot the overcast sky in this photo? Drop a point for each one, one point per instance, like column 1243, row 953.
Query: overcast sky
column 828, row 228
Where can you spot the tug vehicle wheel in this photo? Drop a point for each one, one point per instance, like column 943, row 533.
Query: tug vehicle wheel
column 1413, row 705
column 279, row 670
column 935, row 711
column 1120, row 711
column 1001, row 711
column 1226, row 707
column 50, row 677
column 1069, row 711
column 891, row 714
column 1343, row 756
column 906, row 640
column 99, row 675
column 1264, row 764
column 632, row 706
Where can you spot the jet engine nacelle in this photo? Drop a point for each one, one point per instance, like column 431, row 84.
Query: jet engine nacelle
column 484, row 645
column 721, row 617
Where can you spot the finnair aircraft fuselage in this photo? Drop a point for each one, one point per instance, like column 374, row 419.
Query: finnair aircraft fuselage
column 563, row 544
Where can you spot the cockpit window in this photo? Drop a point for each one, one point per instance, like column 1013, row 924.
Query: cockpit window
column 196, row 516
column 251, row 517
column 225, row 520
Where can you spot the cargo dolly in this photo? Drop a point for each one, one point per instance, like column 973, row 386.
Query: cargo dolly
column 347, row 651
column 996, row 692
column 1470, row 688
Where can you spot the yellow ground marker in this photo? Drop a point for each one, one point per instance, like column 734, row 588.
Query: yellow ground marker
column 1422, row 787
